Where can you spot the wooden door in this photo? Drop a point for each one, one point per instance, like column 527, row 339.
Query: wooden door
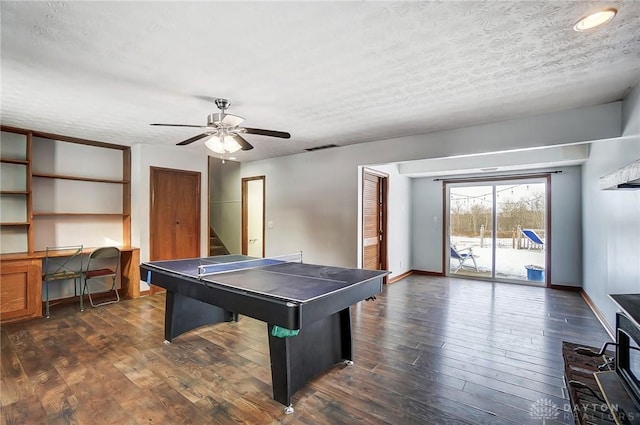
column 175, row 214
column 374, row 221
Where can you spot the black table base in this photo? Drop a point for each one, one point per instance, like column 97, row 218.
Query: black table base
column 294, row 360
column 183, row 314
column 318, row 347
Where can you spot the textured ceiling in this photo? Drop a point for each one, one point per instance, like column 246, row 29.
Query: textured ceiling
column 327, row 72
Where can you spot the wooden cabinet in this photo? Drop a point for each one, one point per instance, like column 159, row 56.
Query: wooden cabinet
column 20, row 289
column 130, row 269
column 58, row 191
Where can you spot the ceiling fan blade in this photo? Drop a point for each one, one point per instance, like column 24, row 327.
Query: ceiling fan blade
column 246, row 146
column 232, row 120
column 193, row 139
column 180, row 125
column 272, row 133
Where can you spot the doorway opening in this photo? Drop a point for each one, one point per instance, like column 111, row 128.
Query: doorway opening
column 253, row 202
column 498, row 229
column 374, row 220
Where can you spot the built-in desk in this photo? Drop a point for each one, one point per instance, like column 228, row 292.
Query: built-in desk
column 21, row 287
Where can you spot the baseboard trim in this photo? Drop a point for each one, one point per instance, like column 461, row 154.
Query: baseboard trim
column 565, row 287
column 400, row 277
column 418, row 272
column 599, row 315
column 427, row 273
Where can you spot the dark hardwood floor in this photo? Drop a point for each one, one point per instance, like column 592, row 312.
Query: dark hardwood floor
column 428, row 351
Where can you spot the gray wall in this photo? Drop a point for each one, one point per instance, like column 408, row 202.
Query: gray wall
column 566, row 226
column 312, row 198
column 566, row 244
column 611, row 218
column 427, row 223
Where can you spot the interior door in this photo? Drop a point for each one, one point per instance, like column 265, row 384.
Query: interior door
column 374, row 246
column 175, row 214
column 253, row 201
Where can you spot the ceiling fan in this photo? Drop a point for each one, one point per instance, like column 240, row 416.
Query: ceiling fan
column 224, row 131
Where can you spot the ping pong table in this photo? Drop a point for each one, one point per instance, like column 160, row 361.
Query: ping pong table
column 306, row 307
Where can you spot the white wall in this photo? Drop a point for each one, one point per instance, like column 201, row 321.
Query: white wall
column 566, row 225
column 143, row 157
column 312, row 198
column 611, row 218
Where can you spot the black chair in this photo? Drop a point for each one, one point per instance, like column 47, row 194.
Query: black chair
column 62, row 263
column 103, row 264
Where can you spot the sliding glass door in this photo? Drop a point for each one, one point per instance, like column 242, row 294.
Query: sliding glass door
column 497, row 229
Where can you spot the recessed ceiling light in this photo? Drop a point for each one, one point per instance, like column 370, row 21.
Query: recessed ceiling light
column 595, row 19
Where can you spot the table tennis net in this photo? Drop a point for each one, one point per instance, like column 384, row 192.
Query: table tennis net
column 212, row 268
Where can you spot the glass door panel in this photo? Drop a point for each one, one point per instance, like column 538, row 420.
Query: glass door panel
column 520, row 220
column 471, row 230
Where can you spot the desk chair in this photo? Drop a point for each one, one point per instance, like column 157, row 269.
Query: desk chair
column 103, row 263
column 62, row 263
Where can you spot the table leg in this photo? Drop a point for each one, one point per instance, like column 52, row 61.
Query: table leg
column 318, row 346
column 183, row 314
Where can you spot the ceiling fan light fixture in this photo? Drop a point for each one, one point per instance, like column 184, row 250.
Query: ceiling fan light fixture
column 595, row 19
column 231, row 145
column 222, row 144
column 215, row 144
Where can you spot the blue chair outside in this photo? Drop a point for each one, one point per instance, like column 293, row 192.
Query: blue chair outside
column 462, row 257
column 533, row 238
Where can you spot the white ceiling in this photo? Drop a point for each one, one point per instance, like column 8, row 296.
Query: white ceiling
column 327, row 72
